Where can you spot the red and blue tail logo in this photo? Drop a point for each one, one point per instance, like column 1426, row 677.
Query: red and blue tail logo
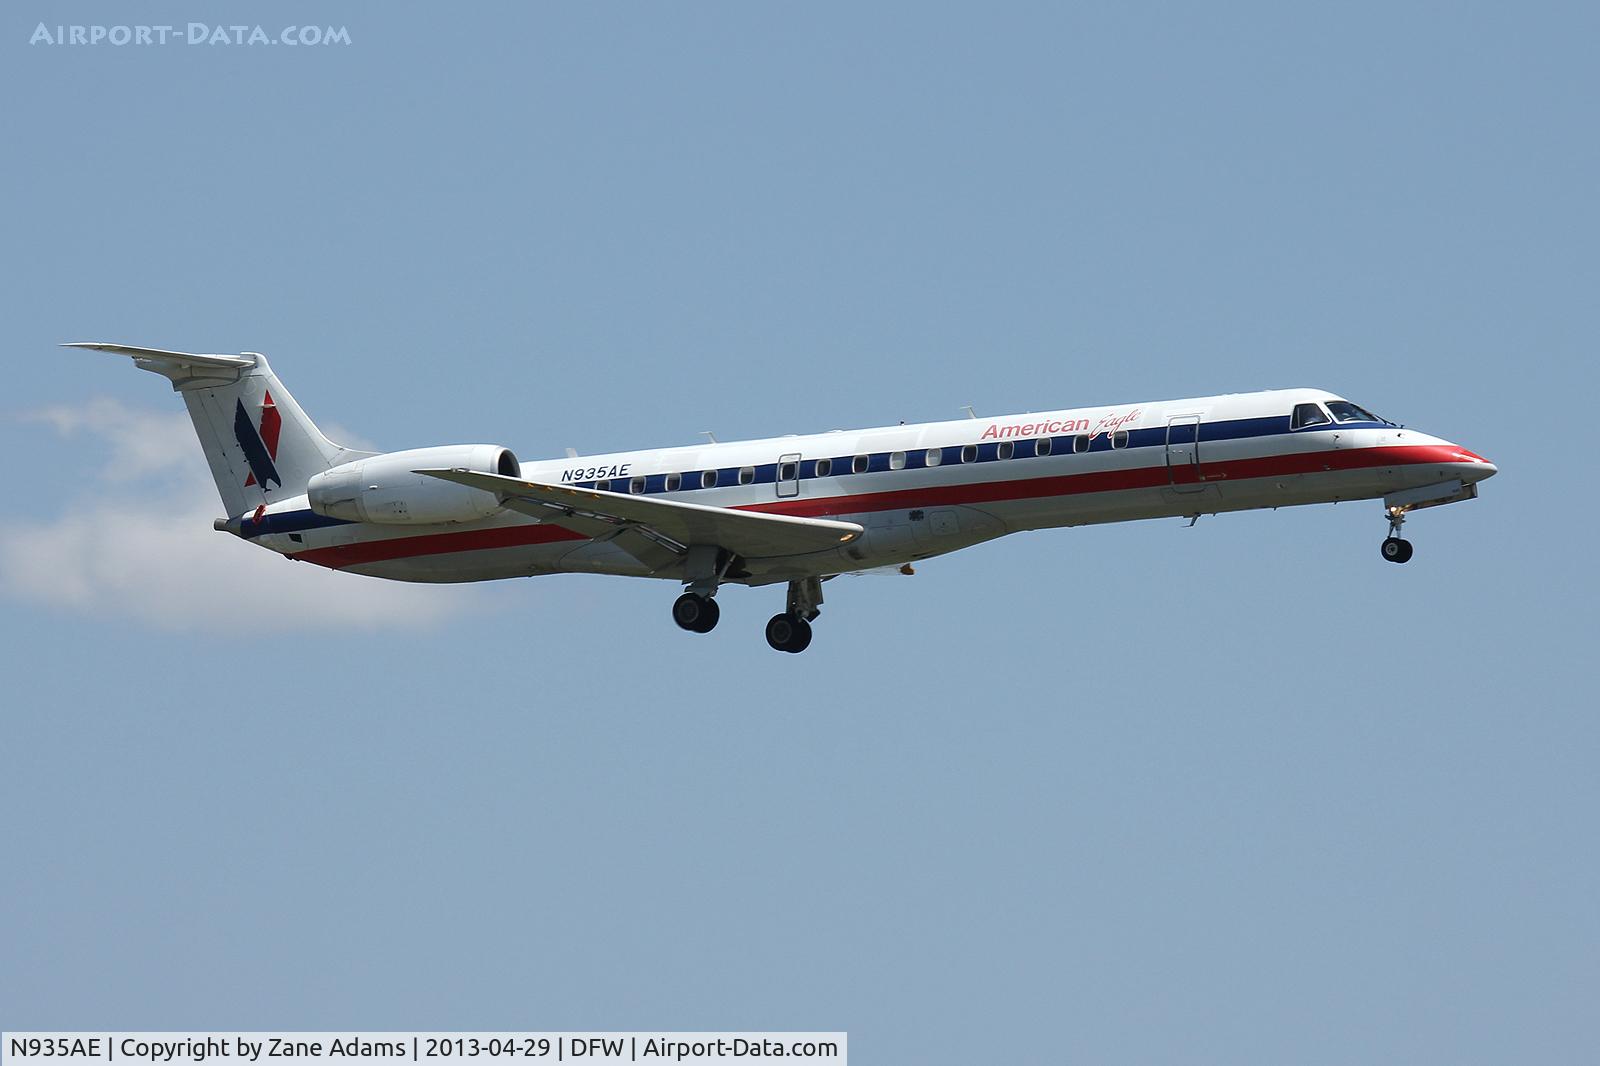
column 260, row 447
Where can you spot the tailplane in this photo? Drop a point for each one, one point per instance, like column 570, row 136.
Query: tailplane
column 259, row 443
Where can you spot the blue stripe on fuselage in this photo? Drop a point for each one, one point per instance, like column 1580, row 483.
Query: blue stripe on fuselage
column 288, row 522
column 987, row 452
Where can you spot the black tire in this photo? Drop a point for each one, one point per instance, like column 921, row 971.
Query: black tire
column 780, row 631
column 697, row 614
column 1396, row 550
column 787, row 632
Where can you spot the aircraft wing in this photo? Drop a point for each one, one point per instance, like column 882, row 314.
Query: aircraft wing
column 669, row 523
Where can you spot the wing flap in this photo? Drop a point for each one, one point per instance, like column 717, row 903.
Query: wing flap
column 669, row 523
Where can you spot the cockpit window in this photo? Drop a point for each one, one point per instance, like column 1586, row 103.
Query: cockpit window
column 1308, row 414
column 1345, row 411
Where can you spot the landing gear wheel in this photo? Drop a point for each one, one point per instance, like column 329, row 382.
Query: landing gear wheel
column 788, row 632
column 1396, row 550
column 697, row 614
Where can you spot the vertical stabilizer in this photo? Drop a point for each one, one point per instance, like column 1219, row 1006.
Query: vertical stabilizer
column 261, row 446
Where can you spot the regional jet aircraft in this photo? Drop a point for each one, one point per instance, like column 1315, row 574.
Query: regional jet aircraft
column 794, row 510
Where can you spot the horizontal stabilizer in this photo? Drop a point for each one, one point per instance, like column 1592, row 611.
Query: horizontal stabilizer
column 672, row 523
column 185, row 370
column 220, row 362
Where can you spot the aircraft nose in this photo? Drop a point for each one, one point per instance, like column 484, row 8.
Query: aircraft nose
column 1474, row 466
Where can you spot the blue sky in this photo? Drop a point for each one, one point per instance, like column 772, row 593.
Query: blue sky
column 1237, row 793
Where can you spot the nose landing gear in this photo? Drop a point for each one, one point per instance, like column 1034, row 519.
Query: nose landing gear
column 1395, row 548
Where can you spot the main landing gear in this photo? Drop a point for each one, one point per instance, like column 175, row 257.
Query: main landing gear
column 790, row 631
column 704, row 568
column 697, row 614
column 1395, row 548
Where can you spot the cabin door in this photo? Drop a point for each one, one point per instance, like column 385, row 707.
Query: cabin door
column 788, row 479
column 1183, row 453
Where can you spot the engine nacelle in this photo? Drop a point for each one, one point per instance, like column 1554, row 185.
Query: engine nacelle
column 383, row 489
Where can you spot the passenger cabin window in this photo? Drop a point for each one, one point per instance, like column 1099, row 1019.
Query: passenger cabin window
column 859, row 464
column 788, row 471
column 934, row 457
column 747, row 475
column 1006, row 450
column 636, row 486
column 897, row 460
column 969, row 453
column 824, row 467
column 708, row 479
column 1308, row 414
column 1345, row 411
column 1119, row 439
column 1080, row 443
column 674, row 482
column 603, row 486
column 1042, row 446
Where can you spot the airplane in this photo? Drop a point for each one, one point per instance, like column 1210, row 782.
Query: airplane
column 792, row 510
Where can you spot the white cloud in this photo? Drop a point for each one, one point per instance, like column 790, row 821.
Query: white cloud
column 148, row 441
column 144, row 548
column 347, row 438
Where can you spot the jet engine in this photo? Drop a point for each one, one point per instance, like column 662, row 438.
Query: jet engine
column 385, row 490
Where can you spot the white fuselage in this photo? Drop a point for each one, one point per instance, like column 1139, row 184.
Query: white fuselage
column 928, row 489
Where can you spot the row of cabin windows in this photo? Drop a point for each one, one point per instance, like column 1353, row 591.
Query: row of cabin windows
column 860, row 464
column 1304, row 416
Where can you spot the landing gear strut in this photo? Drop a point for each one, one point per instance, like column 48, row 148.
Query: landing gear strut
column 791, row 630
column 1396, row 549
column 703, row 570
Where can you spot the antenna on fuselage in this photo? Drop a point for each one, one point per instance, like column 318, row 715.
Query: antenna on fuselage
column 970, row 412
column 712, row 437
column 572, row 453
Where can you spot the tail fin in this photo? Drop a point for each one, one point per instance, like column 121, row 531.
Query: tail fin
column 260, row 445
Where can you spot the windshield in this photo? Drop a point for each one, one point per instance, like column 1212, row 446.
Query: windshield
column 1345, row 411
column 1307, row 414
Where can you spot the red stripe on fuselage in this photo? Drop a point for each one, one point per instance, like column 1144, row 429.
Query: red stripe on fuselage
column 1139, row 477
column 977, row 492
column 471, row 540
